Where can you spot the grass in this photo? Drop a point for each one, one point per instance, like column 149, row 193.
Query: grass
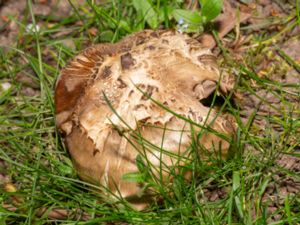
column 41, row 169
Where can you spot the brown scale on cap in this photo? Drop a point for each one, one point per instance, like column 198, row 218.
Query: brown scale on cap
column 104, row 139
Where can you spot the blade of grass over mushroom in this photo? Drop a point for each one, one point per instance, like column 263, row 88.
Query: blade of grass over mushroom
column 137, row 135
column 150, row 148
column 147, row 148
column 141, row 176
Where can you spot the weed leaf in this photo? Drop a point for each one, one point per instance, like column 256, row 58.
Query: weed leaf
column 147, row 11
column 210, row 9
column 187, row 16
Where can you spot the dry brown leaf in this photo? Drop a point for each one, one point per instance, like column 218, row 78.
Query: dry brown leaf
column 93, row 31
column 226, row 22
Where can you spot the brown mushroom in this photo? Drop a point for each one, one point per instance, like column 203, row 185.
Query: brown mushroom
column 107, row 107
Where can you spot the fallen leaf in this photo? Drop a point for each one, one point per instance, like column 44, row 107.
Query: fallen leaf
column 9, row 187
column 5, row 18
column 226, row 21
column 93, row 31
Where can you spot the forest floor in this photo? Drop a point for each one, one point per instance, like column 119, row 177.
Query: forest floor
column 258, row 43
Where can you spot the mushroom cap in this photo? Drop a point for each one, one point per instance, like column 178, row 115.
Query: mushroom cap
column 113, row 103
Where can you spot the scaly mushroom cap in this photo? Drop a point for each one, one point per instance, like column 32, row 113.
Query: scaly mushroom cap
column 106, row 106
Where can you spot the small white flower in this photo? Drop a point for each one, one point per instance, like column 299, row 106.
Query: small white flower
column 180, row 21
column 5, row 86
column 181, row 26
column 31, row 28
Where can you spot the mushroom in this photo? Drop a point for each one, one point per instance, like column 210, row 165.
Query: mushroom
column 115, row 102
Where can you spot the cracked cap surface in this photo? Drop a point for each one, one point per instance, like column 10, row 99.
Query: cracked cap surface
column 104, row 105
